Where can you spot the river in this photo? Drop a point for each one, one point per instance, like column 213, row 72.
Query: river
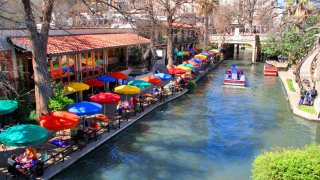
column 213, row 133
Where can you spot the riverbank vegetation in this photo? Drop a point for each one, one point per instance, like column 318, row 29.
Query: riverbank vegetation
column 287, row 163
column 290, row 84
column 297, row 34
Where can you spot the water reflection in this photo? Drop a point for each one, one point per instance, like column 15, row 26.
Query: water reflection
column 214, row 133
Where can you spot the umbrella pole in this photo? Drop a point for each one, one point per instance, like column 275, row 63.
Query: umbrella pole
column 92, row 89
column 104, row 109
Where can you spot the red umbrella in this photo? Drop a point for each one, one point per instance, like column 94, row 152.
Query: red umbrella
column 190, row 62
column 58, row 72
column 154, row 80
column 59, row 120
column 118, row 75
column 176, row 71
column 94, row 82
column 105, row 98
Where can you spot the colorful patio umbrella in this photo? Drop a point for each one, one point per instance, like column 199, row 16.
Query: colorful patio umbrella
column 94, row 82
column 210, row 53
column 187, row 65
column 163, row 76
column 106, row 79
column 127, row 89
column 139, row 83
column 58, row 72
column 215, row 50
column 154, row 80
column 99, row 61
column 185, row 68
column 202, row 58
column 205, row 54
column 186, row 53
column 85, row 108
column 105, row 98
column 190, row 62
column 76, row 86
column 23, row 135
column 176, row 71
column 7, row 106
column 180, row 54
column 198, row 61
column 59, row 120
column 118, row 75
column 191, row 51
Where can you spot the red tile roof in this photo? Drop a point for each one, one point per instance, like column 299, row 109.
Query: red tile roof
column 77, row 43
column 179, row 25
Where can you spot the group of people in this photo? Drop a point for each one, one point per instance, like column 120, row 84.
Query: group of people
column 19, row 164
column 136, row 104
column 307, row 96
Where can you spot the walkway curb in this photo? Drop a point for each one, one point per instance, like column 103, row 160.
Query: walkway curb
column 293, row 98
column 59, row 167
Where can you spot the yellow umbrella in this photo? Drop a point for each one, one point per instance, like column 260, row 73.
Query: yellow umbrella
column 200, row 55
column 187, row 69
column 76, row 86
column 127, row 89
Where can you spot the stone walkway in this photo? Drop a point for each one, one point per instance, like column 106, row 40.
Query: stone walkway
column 294, row 97
column 305, row 74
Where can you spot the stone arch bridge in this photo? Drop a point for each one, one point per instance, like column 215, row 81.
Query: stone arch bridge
column 253, row 40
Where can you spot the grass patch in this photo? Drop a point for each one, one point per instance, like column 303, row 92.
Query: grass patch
column 308, row 109
column 290, row 84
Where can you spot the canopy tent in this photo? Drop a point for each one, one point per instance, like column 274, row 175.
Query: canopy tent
column 85, row 108
column 163, row 76
column 176, row 71
column 139, row 83
column 59, row 120
column 76, row 86
column 23, row 135
column 127, row 89
column 7, row 106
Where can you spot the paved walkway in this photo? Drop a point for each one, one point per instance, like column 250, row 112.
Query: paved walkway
column 103, row 137
column 305, row 74
column 294, row 97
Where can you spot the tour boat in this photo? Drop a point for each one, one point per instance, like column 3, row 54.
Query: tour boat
column 270, row 70
column 234, row 77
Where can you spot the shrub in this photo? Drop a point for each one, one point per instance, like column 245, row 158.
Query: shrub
column 286, row 163
column 60, row 101
column 191, row 86
column 290, row 84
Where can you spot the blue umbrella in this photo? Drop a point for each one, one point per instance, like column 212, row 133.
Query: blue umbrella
column 196, row 60
column 210, row 53
column 85, row 108
column 163, row 76
column 105, row 78
column 191, row 51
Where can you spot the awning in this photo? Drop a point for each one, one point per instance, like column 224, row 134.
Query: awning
column 58, row 45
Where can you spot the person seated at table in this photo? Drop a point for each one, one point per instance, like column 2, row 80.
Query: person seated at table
column 12, row 163
column 94, row 125
column 81, row 134
column 155, row 91
column 43, row 155
column 171, row 87
column 161, row 93
column 119, row 108
column 141, row 102
column 31, row 153
column 134, row 102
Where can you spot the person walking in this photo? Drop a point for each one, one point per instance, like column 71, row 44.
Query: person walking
column 308, row 95
column 302, row 96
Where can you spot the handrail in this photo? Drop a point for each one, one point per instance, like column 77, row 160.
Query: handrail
column 301, row 61
column 313, row 69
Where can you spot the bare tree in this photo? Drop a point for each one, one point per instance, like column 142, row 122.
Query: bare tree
column 6, row 86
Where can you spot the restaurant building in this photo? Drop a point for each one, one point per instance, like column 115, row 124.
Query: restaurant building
column 73, row 55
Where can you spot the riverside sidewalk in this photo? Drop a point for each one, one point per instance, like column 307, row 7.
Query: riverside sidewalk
column 294, row 97
column 58, row 167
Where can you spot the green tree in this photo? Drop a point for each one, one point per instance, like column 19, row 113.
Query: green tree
column 59, row 101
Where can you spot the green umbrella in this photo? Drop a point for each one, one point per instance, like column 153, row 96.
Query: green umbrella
column 23, row 135
column 139, row 83
column 7, row 106
column 187, row 65
column 180, row 53
column 99, row 61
